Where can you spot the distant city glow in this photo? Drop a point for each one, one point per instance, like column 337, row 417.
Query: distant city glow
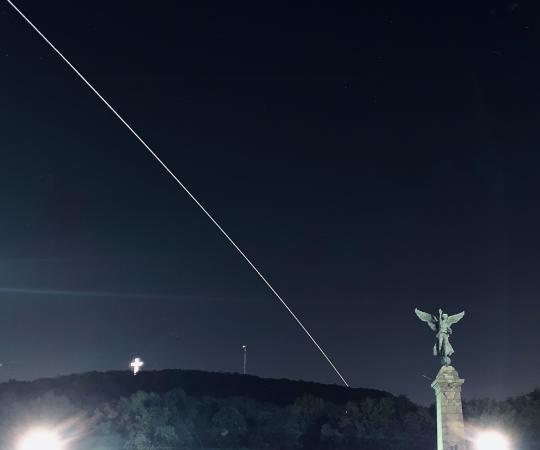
column 491, row 440
column 40, row 440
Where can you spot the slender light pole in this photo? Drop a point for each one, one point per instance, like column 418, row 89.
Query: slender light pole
column 244, row 347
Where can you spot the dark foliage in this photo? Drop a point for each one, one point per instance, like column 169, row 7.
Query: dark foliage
column 189, row 410
column 519, row 417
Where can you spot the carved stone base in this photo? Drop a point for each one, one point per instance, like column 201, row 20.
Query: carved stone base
column 450, row 426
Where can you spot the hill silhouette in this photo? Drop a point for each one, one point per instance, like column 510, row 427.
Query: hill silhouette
column 93, row 388
column 207, row 410
column 193, row 409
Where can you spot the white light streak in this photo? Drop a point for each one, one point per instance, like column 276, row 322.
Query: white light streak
column 188, row 192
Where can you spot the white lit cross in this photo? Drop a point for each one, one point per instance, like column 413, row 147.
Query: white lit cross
column 136, row 364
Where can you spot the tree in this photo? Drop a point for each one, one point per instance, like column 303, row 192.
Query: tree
column 228, row 427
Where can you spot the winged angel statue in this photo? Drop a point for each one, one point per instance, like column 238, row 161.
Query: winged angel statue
column 442, row 326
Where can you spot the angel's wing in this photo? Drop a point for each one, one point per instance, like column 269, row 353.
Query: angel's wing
column 455, row 318
column 428, row 318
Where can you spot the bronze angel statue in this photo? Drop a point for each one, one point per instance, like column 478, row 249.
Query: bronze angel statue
column 443, row 327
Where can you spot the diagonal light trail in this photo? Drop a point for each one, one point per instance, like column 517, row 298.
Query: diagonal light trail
column 188, row 192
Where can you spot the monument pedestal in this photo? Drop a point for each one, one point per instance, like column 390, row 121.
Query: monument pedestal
column 450, row 426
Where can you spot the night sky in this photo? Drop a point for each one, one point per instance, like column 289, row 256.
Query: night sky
column 369, row 159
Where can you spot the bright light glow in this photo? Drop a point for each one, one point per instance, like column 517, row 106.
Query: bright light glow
column 136, row 365
column 491, row 440
column 40, row 440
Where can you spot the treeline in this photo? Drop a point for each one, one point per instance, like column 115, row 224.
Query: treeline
column 176, row 420
column 167, row 410
column 518, row 418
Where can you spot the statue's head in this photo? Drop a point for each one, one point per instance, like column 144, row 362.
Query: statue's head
column 445, row 316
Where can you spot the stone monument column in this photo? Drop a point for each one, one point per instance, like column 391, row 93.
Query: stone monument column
column 450, row 426
column 447, row 384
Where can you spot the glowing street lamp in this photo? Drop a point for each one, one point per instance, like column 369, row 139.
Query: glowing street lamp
column 491, row 440
column 40, row 440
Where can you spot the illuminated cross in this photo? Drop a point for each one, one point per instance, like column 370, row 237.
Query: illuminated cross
column 136, row 364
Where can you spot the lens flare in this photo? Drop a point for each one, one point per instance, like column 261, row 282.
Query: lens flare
column 40, row 440
column 491, row 440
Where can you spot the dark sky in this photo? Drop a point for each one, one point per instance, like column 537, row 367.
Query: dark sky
column 369, row 159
